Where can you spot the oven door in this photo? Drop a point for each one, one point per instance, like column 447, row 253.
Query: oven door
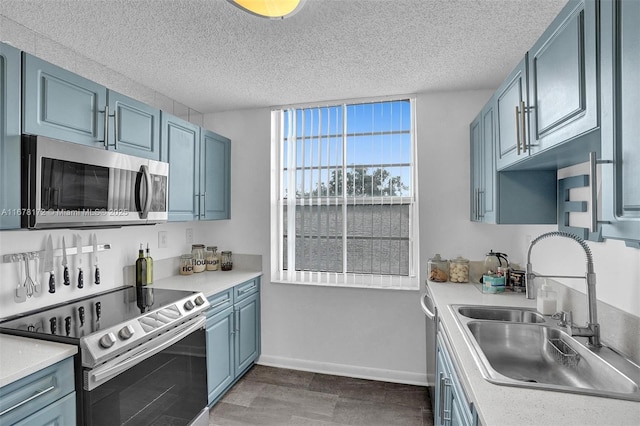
column 163, row 381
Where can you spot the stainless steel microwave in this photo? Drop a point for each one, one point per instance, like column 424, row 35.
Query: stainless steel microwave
column 66, row 185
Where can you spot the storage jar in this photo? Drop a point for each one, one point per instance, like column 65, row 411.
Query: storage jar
column 197, row 250
column 459, row 270
column 226, row 262
column 438, row 269
column 186, row 264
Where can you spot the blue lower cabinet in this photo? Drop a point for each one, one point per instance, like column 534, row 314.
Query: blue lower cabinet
column 233, row 336
column 43, row 398
column 220, row 353
column 451, row 406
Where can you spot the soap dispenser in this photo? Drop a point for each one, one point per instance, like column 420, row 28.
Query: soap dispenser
column 547, row 299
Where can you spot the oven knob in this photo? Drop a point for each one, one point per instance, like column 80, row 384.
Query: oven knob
column 107, row 340
column 188, row 305
column 199, row 300
column 126, row 332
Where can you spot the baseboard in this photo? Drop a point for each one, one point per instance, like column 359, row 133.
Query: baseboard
column 379, row 374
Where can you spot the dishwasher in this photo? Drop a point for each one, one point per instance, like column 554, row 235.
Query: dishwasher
column 431, row 314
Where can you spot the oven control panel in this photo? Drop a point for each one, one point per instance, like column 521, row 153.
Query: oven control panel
column 105, row 344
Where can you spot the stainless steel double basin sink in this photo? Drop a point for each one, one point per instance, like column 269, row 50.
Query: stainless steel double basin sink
column 520, row 347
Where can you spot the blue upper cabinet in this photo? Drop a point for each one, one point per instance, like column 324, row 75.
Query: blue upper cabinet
column 511, row 124
column 620, row 119
column 563, row 80
column 215, row 171
column 136, row 127
column 9, row 137
column 62, row 105
column 483, row 170
column 181, row 149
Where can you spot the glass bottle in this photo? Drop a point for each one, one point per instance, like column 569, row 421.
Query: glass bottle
column 149, row 260
column 141, row 268
column 186, row 264
column 226, row 262
column 212, row 259
column 197, row 250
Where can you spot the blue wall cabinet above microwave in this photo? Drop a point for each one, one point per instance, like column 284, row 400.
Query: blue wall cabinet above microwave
column 620, row 120
column 63, row 105
column 9, row 137
column 181, row 149
column 563, row 86
column 215, row 170
column 136, row 127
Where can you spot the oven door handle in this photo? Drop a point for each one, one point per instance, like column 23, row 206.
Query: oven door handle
column 103, row 373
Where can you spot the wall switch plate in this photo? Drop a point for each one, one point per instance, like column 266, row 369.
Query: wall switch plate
column 162, row 239
column 189, row 235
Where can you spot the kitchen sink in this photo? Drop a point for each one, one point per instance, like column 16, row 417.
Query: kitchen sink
column 499, row 313
column 518, row 347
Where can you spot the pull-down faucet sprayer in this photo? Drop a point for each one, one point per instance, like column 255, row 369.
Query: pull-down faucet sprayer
column 592, row 330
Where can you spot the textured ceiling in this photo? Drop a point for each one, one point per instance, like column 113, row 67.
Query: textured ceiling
column 211, row 56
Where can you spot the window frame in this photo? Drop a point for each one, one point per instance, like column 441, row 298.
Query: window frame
column 339, row 279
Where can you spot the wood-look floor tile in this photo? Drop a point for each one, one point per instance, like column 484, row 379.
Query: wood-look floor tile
column 280, row 376
column 407, row 395
column 297, row 402
column 359, row 412
column 244, row 392
column 348, row 387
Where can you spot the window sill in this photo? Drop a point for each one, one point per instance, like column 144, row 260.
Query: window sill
column 408, row 284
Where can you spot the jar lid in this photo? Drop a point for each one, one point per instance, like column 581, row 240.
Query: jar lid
column 212, row 248
column 186, row 256
column 226, row 252
column 197, row 246
column 437, row 258
column 460, row 259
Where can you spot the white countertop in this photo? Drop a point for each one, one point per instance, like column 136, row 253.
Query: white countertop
column 21, row 356
column 508, row 405
column 207, row 282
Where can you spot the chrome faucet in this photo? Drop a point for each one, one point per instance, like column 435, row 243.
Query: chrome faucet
column 592, row 330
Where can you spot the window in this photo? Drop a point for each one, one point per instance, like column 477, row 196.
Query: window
column 344, row 190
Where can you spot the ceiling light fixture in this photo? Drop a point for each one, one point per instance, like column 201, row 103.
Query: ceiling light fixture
column 272, row 9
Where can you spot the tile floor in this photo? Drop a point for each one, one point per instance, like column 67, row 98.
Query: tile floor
column 276, row 396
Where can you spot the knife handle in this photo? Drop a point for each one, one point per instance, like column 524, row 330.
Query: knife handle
column 52, row 283
column 80, row 279
column 97, row 275
column 65, row 275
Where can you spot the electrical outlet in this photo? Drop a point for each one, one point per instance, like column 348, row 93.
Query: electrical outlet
column 162, row 239
column 189, row 236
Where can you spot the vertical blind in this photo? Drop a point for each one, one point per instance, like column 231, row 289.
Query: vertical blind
column 347, row 194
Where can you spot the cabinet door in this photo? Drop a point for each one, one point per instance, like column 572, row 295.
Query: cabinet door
column 620, row 124
column 215, row 188
column 136, row 128
column 247, row 316
column 180, row 148
column 220, row 353
column 511, row 123
column 9, row 137
column 487, row 159
column 563, row 85
column 62, row 105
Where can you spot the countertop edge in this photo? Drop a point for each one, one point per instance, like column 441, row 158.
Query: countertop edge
column 38, row 354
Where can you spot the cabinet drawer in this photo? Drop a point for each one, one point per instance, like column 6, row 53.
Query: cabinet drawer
column 246, row 289
column 61, row 412
column 30, row 394
column 220, row 301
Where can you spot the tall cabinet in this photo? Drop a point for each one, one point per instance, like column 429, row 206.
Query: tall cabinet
column 620, row 123
column 9, row 137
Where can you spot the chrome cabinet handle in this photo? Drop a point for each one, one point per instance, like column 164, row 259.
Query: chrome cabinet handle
column 524, row 127
column 593, row 193
column 31, row 398
column 106, row 126
column 518, row 129
column 219, row 304
column 480, row 203
column 446, row 413
column 115, row 129
column 441, row 399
